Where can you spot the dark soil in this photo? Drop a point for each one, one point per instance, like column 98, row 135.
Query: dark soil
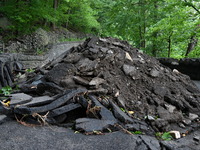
column 134, row 81
column 107, row 84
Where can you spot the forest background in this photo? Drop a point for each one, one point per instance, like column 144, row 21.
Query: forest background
column 161, row 28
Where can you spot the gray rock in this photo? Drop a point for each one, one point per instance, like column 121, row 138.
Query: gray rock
column 193, row 116
column 90, row 125
column 68, row 82
column 150, row 118
column 160, row 90
column 170, row 108
column 20, row 98
column 80, row 80
column 154, row 73
column 129, row 70
column 96, row 81
column 41, row 37
column 187, row 121
column 85, row 65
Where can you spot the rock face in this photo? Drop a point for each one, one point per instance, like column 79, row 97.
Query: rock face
column 39, row 41
column 115, row 79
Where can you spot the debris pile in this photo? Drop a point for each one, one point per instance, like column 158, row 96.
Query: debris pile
column 105, row 85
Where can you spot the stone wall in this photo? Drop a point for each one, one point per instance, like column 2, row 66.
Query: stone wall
column 188, row 66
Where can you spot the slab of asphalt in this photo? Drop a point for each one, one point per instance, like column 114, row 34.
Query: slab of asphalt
column 14, row 136
column 197, row 83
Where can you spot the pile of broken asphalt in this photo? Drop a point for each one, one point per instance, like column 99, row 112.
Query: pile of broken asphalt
column 105, row 85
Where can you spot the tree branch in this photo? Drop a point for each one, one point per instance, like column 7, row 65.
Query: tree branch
column 191, row 5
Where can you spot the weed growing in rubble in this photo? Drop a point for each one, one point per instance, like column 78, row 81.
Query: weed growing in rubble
column 136, row 132
column 29, row 70
column 6, row 90
column 164, row 136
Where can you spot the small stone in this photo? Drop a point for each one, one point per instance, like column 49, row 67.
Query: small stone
column 175, row 134
column 150, row 118
column 128, row 70
column 110, row 52
column 154, row 73
column 96, row 81
column 93, row 50
column 187, row 121
column 193, row 116
column 196, row 138
column 181, row 125
column 176, row 71
column 128, row 56
column 170, row 108
column 80, row 80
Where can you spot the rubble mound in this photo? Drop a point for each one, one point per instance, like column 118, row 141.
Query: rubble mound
column 106, row 84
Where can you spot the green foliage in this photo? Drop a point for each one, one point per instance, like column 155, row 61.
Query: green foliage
column 136, row 132
column 71, row 39
column 26, row 16
column 29, row 70
column 122, row 109
column 159, row 28
column 6, row 90
column 82, row 16
column 164, row 136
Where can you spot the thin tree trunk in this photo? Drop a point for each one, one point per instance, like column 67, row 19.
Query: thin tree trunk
column 169, row 44
column 55, row 6
column 155, row 34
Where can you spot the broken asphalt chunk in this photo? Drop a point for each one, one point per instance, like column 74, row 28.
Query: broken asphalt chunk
column 105, row 113
column 20, row 98
column 63, row 109
column 55, row 104
column 90, row 125
column 120, row 115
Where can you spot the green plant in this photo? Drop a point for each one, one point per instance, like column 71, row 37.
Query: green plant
column 122, row 109
column 39, row 51
column 164, row 136
column 6, row 90
column 29, row 70
column 136, row 132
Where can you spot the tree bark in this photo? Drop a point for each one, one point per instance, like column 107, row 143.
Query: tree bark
column 169, row 44
column 55, row 6
column 191, row 45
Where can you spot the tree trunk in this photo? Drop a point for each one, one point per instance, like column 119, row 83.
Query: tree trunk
column 169, row 44
column 55, row 6
column 191, row 45
column 155, row 34
column 142, row 26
